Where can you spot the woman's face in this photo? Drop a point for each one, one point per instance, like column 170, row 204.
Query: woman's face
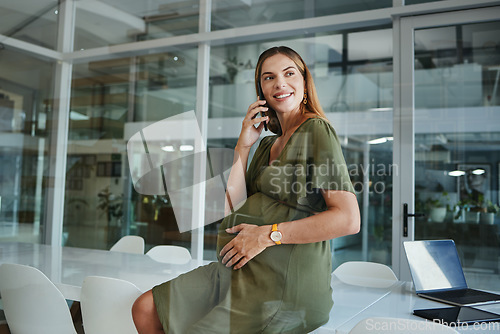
column 282, row 83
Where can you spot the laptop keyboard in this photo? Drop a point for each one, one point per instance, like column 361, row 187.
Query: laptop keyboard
column 466, row 296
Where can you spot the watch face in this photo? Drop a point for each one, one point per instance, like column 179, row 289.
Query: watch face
column 275, row 236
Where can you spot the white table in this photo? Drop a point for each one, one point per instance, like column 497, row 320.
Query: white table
column 66, row 267
column 398, row 300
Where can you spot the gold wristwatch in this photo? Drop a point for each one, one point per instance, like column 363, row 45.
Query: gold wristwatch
column 276, row 235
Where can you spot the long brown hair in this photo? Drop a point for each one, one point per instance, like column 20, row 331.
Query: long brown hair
column 313, row 105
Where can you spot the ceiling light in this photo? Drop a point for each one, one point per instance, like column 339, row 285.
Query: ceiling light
column 379, row 140
column 456, row 173
column 478, row 171
column 185, row 148
column 380, row 109
column 168, row 148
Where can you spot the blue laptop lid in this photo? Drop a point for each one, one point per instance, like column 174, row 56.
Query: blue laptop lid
column 434, row 265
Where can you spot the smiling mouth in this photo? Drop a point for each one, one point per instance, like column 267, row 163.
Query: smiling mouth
column 282, row 96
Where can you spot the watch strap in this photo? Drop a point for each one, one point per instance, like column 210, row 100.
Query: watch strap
column 275, row 229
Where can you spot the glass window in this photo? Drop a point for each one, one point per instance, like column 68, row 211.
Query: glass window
column 25, row 112
column 34, row 22
column 456, row 143
column 111, row 101
column 379, row 42
column 110, row 22
column 354, row 83
column 228, row 14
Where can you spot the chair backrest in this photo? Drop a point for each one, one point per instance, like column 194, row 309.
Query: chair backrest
column 129, row 244
column 107, row 305
column 169, row 254
column 32, row 303
column 368, row 274
column 398, row 326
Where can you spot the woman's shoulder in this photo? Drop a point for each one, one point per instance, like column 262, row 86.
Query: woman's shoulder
column 319, row 126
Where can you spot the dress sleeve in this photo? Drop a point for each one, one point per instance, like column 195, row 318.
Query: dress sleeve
column 325, row 165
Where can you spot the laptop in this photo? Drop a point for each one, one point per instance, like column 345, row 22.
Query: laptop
column 457, row 315
column 437, row 274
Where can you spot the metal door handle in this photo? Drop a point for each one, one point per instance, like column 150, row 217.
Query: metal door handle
column 405, row 218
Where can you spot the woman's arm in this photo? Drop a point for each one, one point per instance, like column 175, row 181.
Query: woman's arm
column 341, row 218
column 236, row 185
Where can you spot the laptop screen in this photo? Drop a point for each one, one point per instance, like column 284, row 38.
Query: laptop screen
column 434, row 265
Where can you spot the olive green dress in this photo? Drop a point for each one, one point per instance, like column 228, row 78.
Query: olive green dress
column 286, row 288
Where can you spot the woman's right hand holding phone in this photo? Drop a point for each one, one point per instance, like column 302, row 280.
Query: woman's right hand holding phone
column 252, row 124
column 250, row 133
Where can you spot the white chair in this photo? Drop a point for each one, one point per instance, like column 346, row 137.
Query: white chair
column 32, row 303
column 169, row 254
column 107, row 305
column 129, row 244
column 399, row 326
column 367, row 274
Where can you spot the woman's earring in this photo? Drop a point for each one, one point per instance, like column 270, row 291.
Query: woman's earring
column 305, row 98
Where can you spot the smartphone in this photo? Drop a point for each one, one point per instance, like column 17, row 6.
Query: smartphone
column 274, row 123
column 261, row 97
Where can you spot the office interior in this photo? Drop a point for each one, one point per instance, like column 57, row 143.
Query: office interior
column 410, row 86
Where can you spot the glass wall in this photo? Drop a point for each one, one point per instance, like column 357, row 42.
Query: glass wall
column 457, row 108
column 228, row 14
column 26, row 90
column 34, row 22
column 354, row 83
column 111, row 22
column 116, row 95
column 111, row 100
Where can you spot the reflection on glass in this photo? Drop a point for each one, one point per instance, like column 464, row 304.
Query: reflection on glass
column 457, row 125
column 360, row 80
column 228, row 14
column 34, row 22
column 154, row 172
column 25, row 110
column 111, row 22
column 111, row 100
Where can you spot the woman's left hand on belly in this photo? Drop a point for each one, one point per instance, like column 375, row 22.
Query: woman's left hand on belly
column 250, row 241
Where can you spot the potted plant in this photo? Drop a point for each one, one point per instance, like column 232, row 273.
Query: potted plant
column 470, row 207
column 437, row 207
column 492, row 210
